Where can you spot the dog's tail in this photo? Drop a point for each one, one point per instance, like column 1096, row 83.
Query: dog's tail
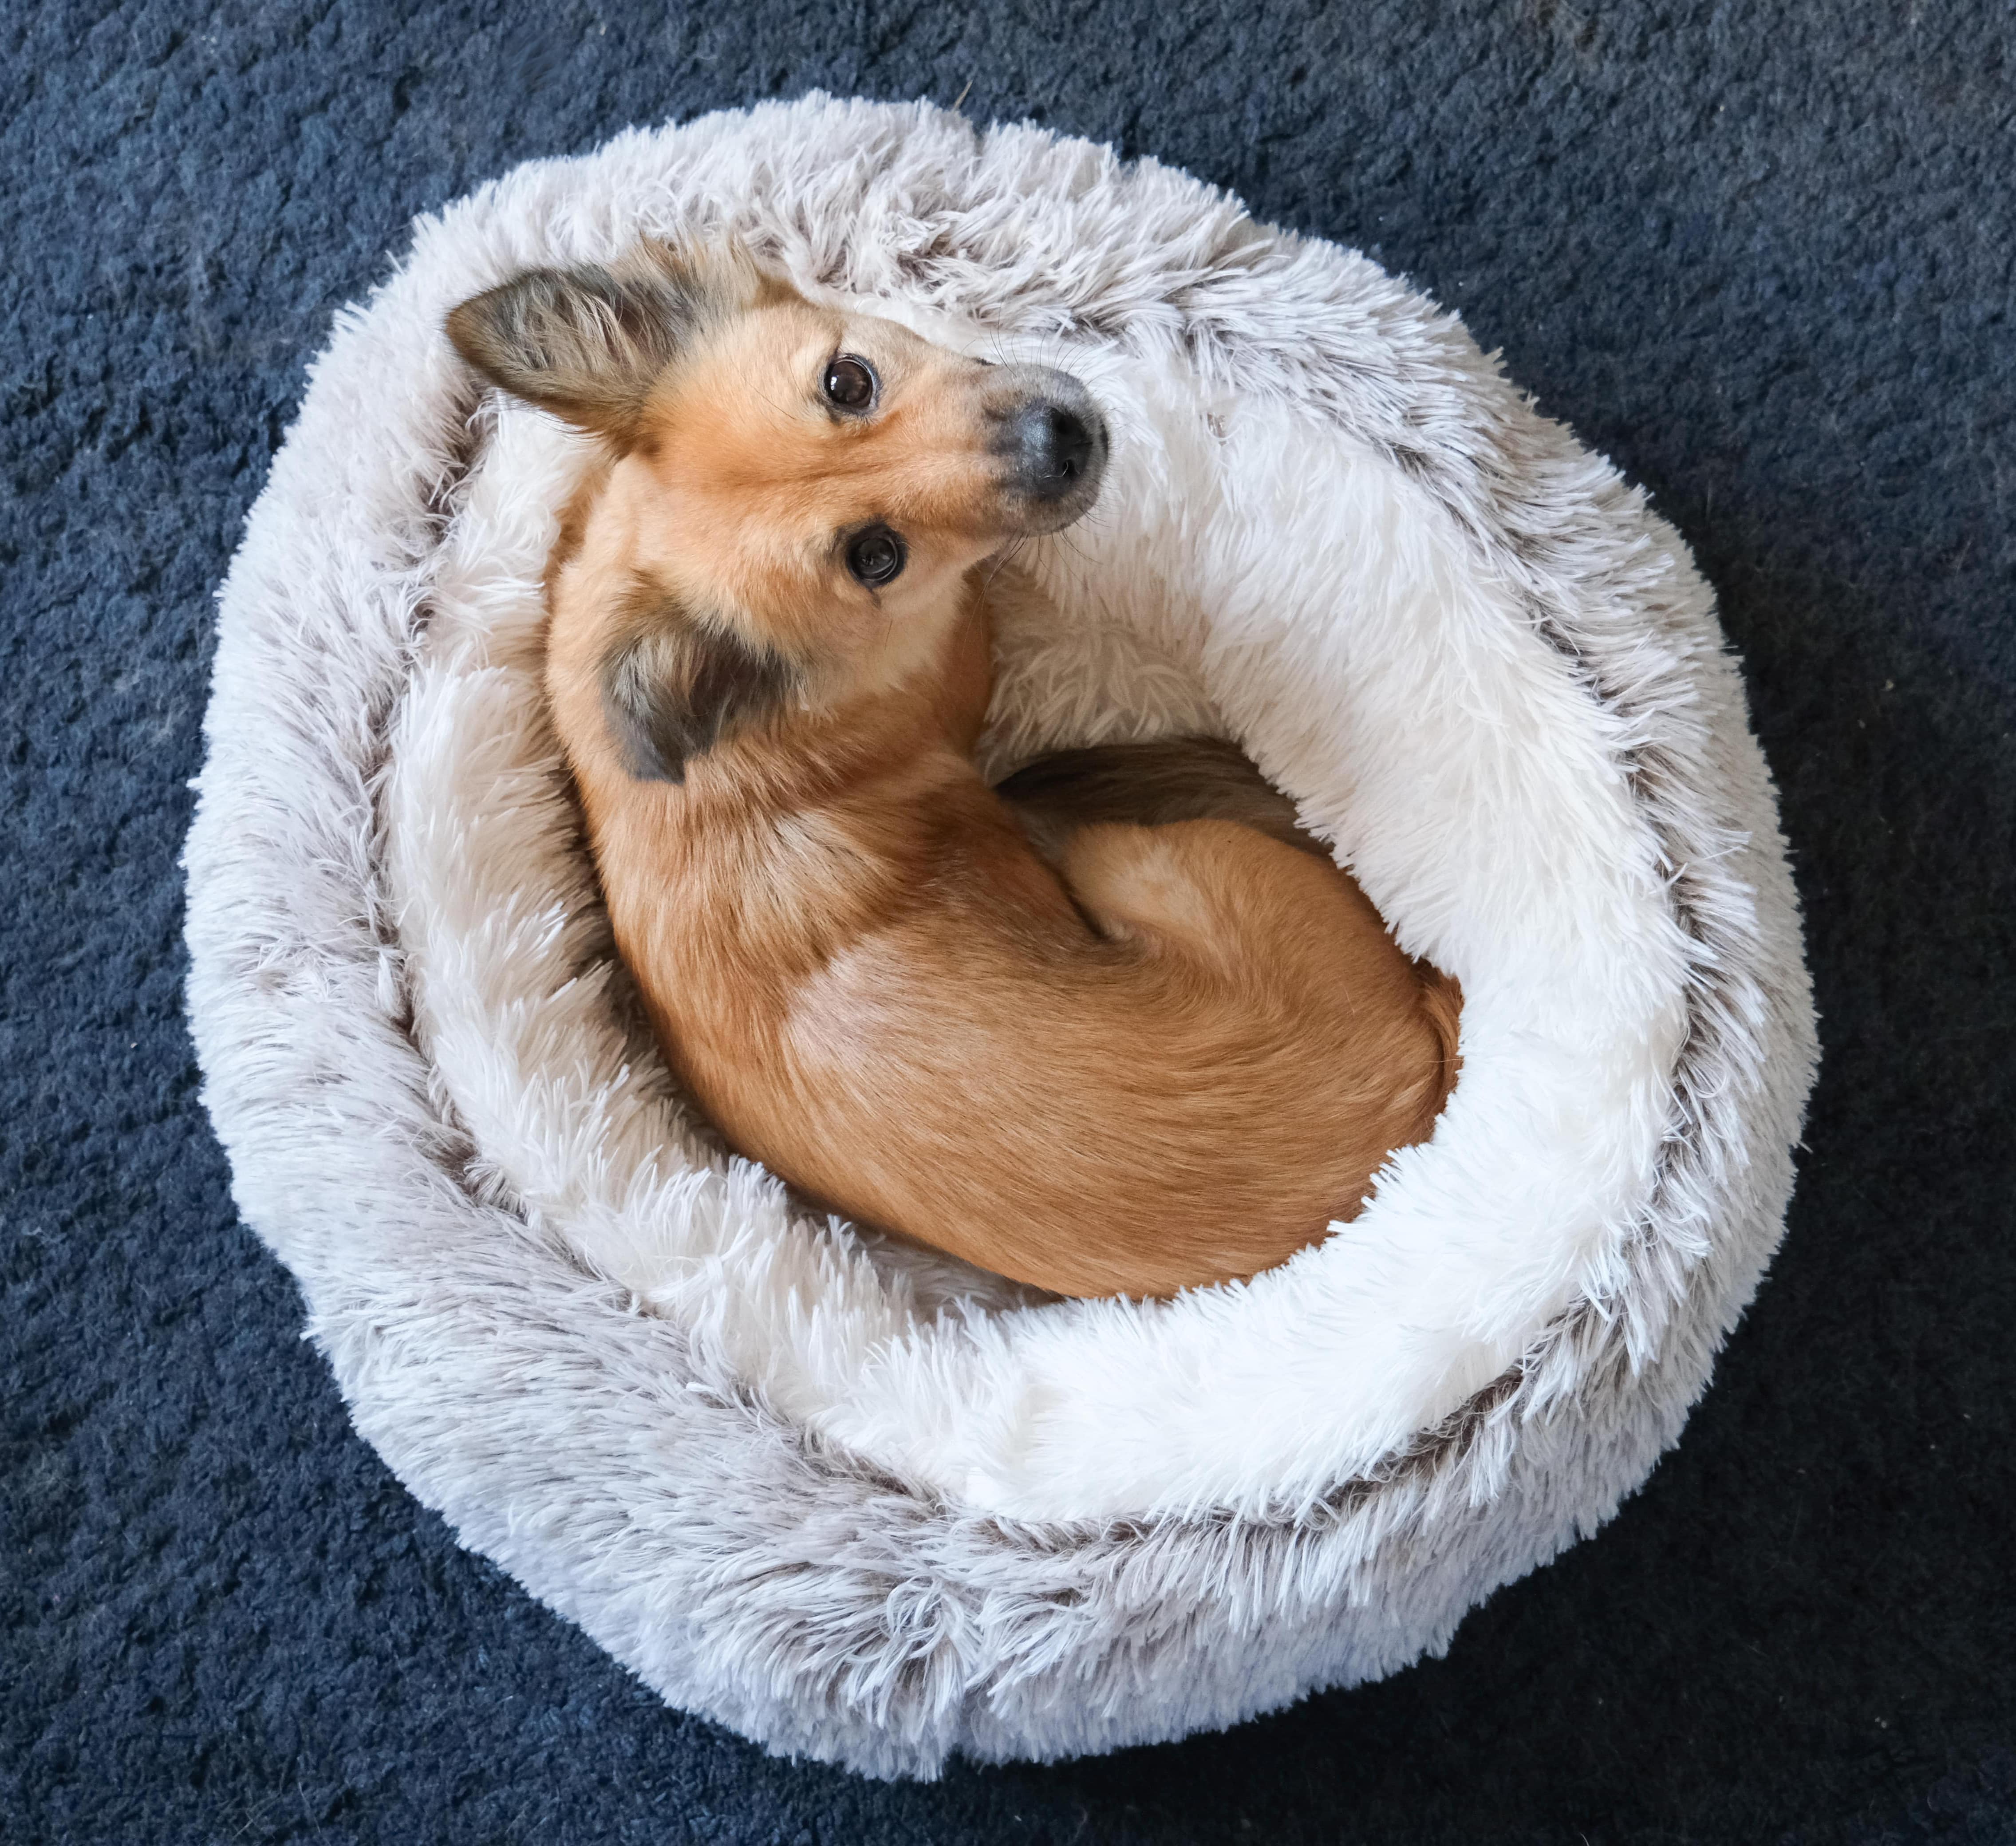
column 1153, row 784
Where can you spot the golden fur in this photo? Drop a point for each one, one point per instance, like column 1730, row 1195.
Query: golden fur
column 1166, row 1054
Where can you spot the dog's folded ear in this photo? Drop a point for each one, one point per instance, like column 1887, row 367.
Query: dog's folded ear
column 588, row 343
column 674, row 685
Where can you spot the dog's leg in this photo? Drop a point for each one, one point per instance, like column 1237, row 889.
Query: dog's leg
column 1151, row 784
column 1230, row 900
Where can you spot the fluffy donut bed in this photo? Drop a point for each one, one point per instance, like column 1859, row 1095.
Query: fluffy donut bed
column 858, row 1502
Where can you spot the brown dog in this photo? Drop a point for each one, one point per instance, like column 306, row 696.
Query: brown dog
column 1169, row 1054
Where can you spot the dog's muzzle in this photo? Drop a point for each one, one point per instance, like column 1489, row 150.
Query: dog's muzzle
column 1051, row 437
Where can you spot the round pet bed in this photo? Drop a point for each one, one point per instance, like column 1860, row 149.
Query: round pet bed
column 859, row 1502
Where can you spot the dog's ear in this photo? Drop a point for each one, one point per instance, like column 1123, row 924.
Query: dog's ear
column 588, row 343
column 674, row 684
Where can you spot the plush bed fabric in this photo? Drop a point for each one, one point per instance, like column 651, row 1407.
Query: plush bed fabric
column 868, row 1513
column 132, row 1563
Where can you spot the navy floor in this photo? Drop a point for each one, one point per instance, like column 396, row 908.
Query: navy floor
column 1761, row 254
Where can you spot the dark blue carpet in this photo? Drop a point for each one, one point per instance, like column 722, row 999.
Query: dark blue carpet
column 1761, row 254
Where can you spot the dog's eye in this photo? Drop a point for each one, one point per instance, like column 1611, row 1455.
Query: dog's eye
column 876, row 556
column 850, row 383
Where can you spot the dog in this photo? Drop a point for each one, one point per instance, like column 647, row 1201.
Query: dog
column 1117, row 1026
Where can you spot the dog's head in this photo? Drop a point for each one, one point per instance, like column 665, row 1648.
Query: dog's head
column 800, row 482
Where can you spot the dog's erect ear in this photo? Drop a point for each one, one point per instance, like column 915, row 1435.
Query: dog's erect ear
column 588, row 343
column 674, row 685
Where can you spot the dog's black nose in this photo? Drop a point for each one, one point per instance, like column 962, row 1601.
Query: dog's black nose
column 1052, row 440
column 1055, row 448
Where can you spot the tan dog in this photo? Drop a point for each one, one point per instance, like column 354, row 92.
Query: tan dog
column 1171, row 1052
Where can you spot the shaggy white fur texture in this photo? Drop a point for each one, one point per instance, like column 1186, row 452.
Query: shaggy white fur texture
column 873, row 1506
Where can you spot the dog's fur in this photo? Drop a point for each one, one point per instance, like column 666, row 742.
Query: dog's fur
column 1085, row 1030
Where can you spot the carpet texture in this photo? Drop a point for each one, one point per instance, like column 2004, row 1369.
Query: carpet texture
column 1761, row 256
